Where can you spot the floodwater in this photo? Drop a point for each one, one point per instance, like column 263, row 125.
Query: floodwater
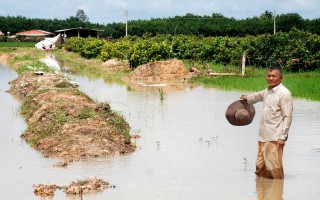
column 187, row 149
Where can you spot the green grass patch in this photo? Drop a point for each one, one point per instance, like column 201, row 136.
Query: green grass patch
column 33, row 65
column 17, row 44
column 302, row 85
column 87, row 113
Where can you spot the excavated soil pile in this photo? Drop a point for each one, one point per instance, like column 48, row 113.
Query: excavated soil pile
column 160, row 71
column 64, row 123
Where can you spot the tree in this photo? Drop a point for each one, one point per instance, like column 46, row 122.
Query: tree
column 266, row 15
column 287, row 21
column 82, row 16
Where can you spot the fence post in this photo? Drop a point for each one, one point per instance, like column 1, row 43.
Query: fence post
column 243, row 69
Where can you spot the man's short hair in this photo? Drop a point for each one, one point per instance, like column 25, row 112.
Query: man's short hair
column 275, row 68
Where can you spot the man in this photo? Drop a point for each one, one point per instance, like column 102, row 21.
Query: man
column 274, row 124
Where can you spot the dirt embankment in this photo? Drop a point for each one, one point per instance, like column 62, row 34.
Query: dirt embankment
column 64, row 123
column 160, row 72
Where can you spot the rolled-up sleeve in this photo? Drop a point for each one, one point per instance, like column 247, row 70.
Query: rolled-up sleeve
column 255, row 97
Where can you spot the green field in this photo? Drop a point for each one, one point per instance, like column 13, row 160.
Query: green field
column 302, row 84
column 17, row 44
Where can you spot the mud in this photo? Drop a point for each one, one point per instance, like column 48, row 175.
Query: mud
column 89, row 185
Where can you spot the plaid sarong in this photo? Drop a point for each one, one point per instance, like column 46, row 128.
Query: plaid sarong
column 269, row 160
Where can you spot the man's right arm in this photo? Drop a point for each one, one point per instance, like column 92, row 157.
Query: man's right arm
column 253, row 98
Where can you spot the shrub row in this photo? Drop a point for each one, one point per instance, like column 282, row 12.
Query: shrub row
column 294, row 51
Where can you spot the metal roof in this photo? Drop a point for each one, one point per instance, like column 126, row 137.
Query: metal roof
column 78, row 28
column 35, row 33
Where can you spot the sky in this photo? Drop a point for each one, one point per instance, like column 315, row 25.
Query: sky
column 107, row 11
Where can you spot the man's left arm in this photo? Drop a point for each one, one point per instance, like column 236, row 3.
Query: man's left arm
column 286, row 104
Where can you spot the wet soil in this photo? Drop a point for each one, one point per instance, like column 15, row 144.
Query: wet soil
column 89, row 185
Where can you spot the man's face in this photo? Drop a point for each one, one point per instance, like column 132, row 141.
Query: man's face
column 274, row 78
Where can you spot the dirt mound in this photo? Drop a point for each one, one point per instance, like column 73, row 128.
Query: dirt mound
column 159, row 72
column 64, row 123
column 89, row 185
column 113, row 64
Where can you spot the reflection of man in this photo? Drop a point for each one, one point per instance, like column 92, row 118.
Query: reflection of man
column 274, row 124
column 269, row 189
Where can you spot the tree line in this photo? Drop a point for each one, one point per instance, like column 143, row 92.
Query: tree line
column 189, row 24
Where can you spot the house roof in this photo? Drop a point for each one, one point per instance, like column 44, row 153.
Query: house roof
column 80, row 32
column 78, row 28
column 35, row 33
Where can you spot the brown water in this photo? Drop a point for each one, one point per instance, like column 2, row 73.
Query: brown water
column 187, row 149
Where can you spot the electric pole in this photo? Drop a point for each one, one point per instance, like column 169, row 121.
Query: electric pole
column 126, row 22
column 274, row 22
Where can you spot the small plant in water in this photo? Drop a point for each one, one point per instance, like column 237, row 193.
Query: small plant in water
column 209, row 141
column 245, row 161
column 161, row 93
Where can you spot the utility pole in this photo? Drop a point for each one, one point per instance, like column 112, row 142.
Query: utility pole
column 126, row 22
column 274, row 22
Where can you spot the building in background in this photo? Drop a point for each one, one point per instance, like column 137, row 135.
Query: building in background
column 33, row 35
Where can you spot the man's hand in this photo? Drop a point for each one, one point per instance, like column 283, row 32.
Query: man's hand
column 243, row 97
column 280, row 143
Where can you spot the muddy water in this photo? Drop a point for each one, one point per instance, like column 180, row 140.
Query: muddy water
column 187, row 149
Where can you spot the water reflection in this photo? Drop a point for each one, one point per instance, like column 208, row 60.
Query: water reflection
column 269, row 189
column 56, row 64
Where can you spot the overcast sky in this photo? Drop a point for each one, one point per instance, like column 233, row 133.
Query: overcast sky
column 107, row 11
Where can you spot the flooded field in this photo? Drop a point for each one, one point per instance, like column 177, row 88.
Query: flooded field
column 187, row 149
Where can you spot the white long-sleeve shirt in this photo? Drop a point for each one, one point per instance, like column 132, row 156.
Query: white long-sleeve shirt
column 277, row 112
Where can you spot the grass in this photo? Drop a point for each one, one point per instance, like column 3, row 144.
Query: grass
column 161, row 93
column 302, row 84
column 17, row 44
column 87, row 113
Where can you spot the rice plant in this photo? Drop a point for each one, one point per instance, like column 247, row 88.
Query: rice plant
column 161, row 93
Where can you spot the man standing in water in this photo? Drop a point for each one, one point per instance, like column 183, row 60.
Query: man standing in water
column 274, row 124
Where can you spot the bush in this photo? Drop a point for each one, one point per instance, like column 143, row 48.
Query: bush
column 92, row 47
column 294, row 51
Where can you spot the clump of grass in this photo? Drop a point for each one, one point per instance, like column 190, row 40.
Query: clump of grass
column 245, row 162
column 40, row 132
column 28, row 107
column 161, row 93
column 87, row 112
column 63, row 84
column 62, row 117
